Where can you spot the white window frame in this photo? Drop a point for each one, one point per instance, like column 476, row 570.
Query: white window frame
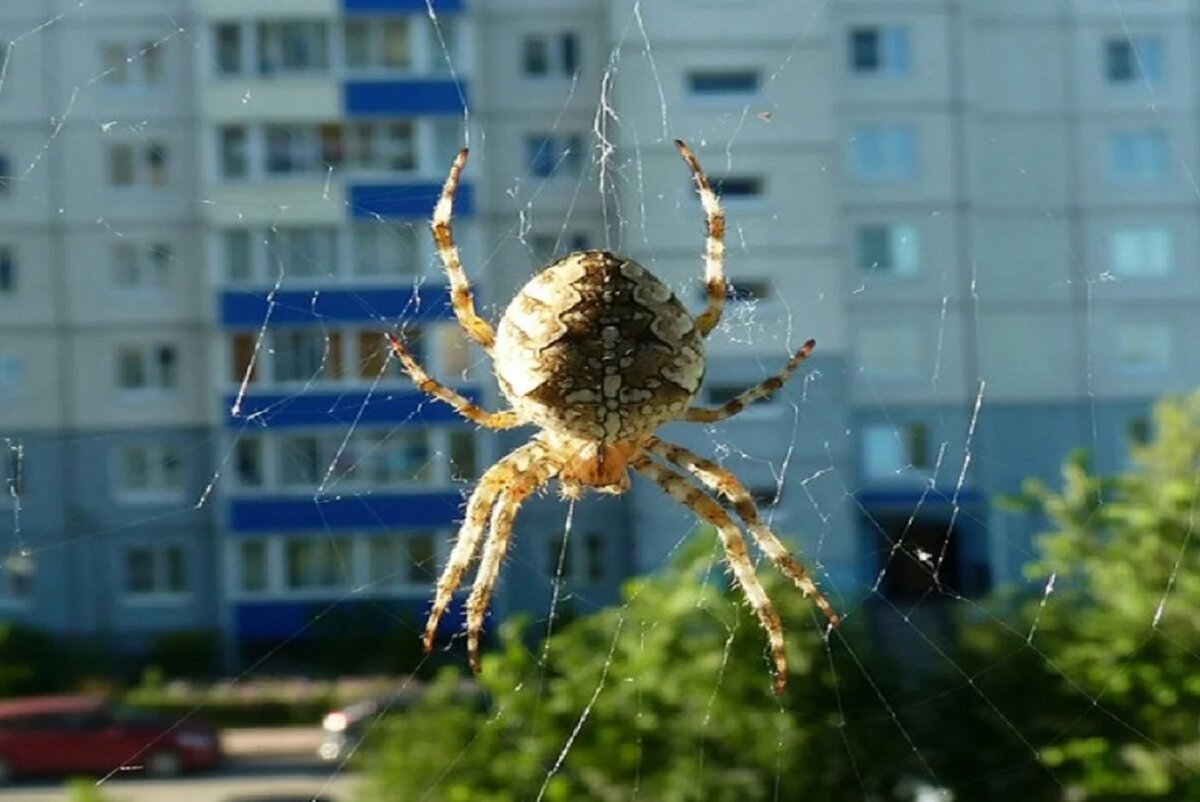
column 884, row 153
column 140, row 65
column 143, row 172
column 893, row 46
column 1147, row 54
column 1154, row 338
column 157, row 379
column 903, row 245
column 160, row 552
column 1149, row 152
column 161, row 487
column 149, row 265
column 555, row 43
column 1141, row 252
column 269, row 35
column 376, row 45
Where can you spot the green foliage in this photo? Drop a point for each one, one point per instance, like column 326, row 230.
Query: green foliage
column 185, row 653
column 81, row 789
column 31, row 662
column 669, row 694
column 1122, row 626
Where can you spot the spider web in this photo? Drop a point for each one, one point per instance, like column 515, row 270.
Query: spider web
column 854, row 544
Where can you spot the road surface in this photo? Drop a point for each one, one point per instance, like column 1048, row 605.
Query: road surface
column 272, row 779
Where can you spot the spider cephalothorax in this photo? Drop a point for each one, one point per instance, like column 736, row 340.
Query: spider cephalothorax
column 598, row 353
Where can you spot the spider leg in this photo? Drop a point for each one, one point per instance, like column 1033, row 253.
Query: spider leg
column 736, row 553
column 505, row 419
column 460, row 289
column 714, row 251
column 763, row 389
column 725, row 483
column 517, row 488
column 471, row 532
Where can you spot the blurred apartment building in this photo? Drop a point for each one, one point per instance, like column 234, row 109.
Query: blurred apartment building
column 213, row 209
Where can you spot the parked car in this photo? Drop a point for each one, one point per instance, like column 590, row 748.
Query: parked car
column 86, row 734
column 347, row 726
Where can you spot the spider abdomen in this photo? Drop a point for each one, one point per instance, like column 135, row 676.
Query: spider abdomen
column 595, row 346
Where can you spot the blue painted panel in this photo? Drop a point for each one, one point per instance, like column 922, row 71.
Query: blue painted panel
column 396, row 6
column 338, row 616
column 941, row 497
column 369, row 201
column 240, row 310
column 281, row 411
column 373, row 512
column 428, row 96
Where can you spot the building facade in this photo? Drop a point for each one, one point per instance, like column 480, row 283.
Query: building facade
column 212, row 210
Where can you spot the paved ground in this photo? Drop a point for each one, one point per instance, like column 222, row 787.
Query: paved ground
column 284, row 741
column 279, row 765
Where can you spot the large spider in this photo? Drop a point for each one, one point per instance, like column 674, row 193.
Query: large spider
column 598, row 353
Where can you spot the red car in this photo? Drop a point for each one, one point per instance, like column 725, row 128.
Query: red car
column 63, row 734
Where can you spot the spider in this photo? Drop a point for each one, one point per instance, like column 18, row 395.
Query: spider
column 598, row 353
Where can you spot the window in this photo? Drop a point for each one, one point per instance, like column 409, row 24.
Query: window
column 717, row 394
column 396, row 457
column 10, row 379
column 301, row 461
column 132, row 64
column 303, row 149
column 141, row 367
column 248, row 462
column 153, row 471
column 723, row 83
column 401, row 559
column 883, row 153
column 888, row 451
column 227, row 39
column 1134, row 60
column 1138, row 156
column 1141, row 251
column 738, row 187
column 462, row 456
column 303, row 252
column 317, row 564
column 381, row 146
column 748, row 290
column 1143, row 347
column 550, row 56
column 554, row 155
column 239, row 254
column 155, row 570
column 1138, row 432
column 888, row 248
column 138, row 165
column 8, row 270
column 292, row 47
column 890, row 351
column 304, row 355
column 252, row 572
column 593, row 547
column 140, row 266
column 6, row 174
column 378, row 44
column 883, row 51
column 384, row 249
column 234, row 157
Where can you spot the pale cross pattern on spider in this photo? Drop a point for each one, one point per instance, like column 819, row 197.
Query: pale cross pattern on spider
column 598, row 353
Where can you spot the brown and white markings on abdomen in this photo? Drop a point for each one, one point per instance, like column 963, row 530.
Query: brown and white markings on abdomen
column 596, row 347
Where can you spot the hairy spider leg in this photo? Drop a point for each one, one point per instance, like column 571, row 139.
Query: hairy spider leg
column 504, row 515
column 725, row 483
column 736, row 553
column 505, row 419
column 460, row 289
column 714, row 249
column 470, row 534
column 763, row 389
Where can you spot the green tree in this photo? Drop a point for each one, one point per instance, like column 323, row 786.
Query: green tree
column 668, row 694
column 1121, row 629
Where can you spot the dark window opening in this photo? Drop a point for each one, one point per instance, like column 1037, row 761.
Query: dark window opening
column 926, row 566
column 723, row 82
